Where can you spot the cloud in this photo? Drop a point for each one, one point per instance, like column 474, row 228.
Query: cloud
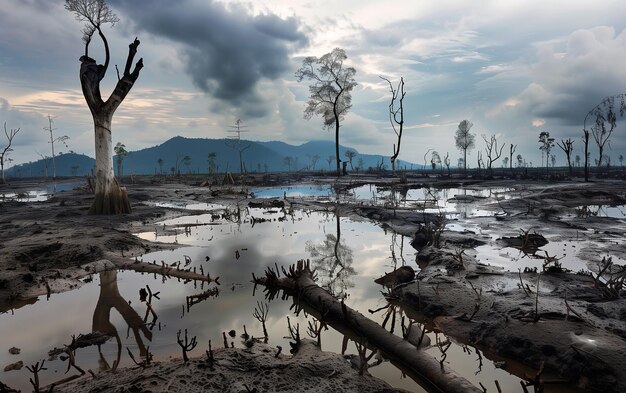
column 572, row 75
column 226, row 49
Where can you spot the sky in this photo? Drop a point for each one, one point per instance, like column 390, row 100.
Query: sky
column 513, row 68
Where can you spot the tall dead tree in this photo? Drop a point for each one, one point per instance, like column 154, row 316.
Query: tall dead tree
column 396, row 117
column 567, row 145
column 7, row 149
column 61, row 139
column 110, row 198
column 586, row 142
column 493, row 153
column 330, row 91
column 512, row 148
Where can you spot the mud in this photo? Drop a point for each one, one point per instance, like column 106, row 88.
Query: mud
column 570, row 327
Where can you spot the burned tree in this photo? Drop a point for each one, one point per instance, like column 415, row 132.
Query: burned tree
column 330, row 91
column 605, row 123
column 464, row 140
column 547, row 143
column 396, row 117
column 493, row 153
column 586, row 142
column 7, row 149
column 110, row 198
column 567, row 145
column 512, row 148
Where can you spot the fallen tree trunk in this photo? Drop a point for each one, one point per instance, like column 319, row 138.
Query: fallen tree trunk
column 299, row 282
column 167, row 271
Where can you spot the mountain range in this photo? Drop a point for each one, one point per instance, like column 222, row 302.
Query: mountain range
column 169, row 157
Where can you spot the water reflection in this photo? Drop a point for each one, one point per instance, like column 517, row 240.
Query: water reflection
column 110, row 298
column 332, row 259
column 260, row 237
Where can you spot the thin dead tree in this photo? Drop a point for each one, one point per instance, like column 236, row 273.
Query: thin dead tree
column 61, row 139
column 512, row 148
column 567, row 145
column 110, row 198
column 396, row 117
column 493, row 153
column 7, row 149
column 586, row 142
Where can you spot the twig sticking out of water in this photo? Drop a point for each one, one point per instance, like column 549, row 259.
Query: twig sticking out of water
column 443, row 346
column 537, row 300
column 35, row 368
column 363, row 357
column 294, row 332
column 260, row 314
column 186, row 345
column 526, row 288
column 144, row 363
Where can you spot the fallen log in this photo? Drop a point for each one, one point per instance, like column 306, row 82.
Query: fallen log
column 299, row 283
column 168, row 271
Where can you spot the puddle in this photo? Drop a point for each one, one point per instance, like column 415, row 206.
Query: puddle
column 453, row 202
column 231, row 243
column 301, row 190
column 567, row 252
column 40, row 194
column 618, row 211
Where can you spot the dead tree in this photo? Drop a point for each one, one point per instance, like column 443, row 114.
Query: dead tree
column 493, row 153
column 5, row 152
column 586, row 142
column 260, row 314
column 567, row 145
column 512, row 148
column 110, row 198
column 396, row 117
column 186, row 345
column 308, row 296
column 605, row 122
column 61, row 139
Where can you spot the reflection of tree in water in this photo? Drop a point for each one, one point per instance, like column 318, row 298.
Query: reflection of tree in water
column 332, row 260
column 110, row 298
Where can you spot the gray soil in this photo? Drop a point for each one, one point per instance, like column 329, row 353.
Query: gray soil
column 46, row 247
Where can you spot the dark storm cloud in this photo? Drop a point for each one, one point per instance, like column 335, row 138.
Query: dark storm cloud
column 226, row 49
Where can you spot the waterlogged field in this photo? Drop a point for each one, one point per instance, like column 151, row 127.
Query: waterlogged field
column 233, row 242
column 229, row 242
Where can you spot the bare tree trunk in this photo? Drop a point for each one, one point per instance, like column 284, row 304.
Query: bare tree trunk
column 586, row 141
column 110, row 197
column 420, row 366
column 337, row 145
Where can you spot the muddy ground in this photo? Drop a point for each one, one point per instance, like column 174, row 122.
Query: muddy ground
column 47, row 247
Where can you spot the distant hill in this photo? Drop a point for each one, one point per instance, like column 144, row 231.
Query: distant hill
column 257, row 157
column 68, row 164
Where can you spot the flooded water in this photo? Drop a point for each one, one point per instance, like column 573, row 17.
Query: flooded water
column 43, row 193
column 232, row 243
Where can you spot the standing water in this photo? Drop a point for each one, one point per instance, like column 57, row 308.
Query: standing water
column 230, row 243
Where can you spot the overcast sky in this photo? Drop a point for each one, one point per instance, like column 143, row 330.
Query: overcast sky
column 513, row 68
